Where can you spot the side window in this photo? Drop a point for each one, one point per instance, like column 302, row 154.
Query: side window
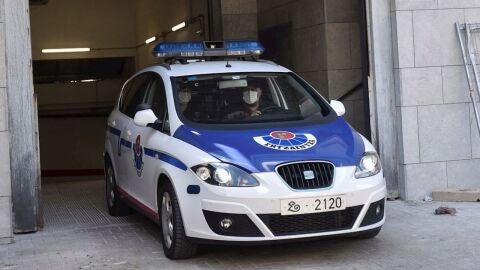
column 135, row 95
column 157, row 99
column 125, row 90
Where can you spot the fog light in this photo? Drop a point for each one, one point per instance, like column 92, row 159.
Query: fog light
column 226, row 223
column 378, row 210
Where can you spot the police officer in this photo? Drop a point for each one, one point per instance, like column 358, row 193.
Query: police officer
column 250, row 101
column 184, row 96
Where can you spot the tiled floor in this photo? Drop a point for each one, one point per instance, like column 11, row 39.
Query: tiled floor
column 78, row 204
column 79, row 234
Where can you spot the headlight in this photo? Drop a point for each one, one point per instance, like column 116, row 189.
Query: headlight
column 369, row 165
column 226, row 175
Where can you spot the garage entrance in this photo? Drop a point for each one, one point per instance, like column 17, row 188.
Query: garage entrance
column 323, row 41
column 76, row 89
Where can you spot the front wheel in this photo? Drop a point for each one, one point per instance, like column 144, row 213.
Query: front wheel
column 176, row 244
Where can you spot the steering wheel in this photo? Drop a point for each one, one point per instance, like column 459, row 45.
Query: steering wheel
column 235, row 115
column 269, row 109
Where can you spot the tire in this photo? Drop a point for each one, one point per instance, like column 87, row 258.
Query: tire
column 176, row 244
column 368, row 234
column 116, row 206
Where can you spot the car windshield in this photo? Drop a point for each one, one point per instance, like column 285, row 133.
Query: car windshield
column 246, row 98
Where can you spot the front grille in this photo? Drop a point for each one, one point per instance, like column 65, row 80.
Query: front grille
column 307, row 175
column 311, row 223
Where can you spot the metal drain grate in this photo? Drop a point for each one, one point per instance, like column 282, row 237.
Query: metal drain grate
column 69, row 205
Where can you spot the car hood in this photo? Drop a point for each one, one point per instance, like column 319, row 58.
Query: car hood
column 261, row 150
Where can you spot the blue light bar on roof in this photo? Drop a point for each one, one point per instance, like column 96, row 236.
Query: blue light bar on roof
column 182, row 49
column 244, row 47
column 196, row 49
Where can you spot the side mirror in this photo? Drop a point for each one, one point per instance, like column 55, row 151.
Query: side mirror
column 338, row 107
column 144, row 117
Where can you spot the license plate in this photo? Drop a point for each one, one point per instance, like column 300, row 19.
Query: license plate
column 312, row 205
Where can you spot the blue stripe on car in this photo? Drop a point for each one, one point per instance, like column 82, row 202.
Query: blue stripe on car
column 126, row 143
column 150, row 152
column 166, row 158
column 115, row 131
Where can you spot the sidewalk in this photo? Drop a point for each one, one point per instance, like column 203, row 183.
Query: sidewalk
column 412, row 238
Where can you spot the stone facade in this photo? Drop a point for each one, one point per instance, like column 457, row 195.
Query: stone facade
column 325, row 46
column 239, row 19
column 439, row 143
column 5, row 184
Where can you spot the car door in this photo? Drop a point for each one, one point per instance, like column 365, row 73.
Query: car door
column 117, row 124
column 135, row 96
column 146, row 143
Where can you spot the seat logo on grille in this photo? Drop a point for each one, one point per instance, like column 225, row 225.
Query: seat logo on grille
column 286, row 140
column 308, row 175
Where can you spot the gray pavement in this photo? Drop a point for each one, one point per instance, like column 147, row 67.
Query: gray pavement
column 79, row 234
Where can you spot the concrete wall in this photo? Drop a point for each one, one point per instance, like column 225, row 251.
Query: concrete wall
column 74, row 143
column 86, row 23
column 5, row 188
column 239, row 19
column 440, row 146
column 325, row 46
column 154, row 17
column 78, row 95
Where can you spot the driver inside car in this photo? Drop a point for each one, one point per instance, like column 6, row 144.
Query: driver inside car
column 184, row 96
column 250, row 101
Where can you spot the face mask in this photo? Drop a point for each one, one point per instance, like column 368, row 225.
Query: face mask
column 184, row 97
column 250, row 97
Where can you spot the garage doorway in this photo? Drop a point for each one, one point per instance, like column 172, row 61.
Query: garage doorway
column 324, row 41
column 77, row 90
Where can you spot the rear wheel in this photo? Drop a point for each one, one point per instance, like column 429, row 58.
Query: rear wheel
column 116, row 206
column 176, row 244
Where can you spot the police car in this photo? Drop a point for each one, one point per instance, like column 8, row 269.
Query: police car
column 218, row 146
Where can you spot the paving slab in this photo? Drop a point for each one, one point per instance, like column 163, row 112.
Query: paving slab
column 456, row 195
column 412, row 238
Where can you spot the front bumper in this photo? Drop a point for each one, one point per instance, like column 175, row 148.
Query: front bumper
column 256, row 210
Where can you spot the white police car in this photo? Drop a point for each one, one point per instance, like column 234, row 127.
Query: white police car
column 237, row 151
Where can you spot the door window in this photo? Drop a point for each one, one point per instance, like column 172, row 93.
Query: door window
column 135, row 95
column 158, row 101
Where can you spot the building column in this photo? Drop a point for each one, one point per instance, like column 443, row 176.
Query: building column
column 22, row 118
column 382, row 97
column 5, row 183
